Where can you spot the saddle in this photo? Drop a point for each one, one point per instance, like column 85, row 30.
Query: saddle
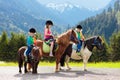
column 46, row 46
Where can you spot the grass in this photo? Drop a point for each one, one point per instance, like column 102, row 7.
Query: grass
column 72, row 64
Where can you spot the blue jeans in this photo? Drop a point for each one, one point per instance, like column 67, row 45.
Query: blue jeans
column 29, row 49
column 79, row 45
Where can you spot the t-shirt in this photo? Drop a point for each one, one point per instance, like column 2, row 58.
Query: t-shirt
column 78, row 36
column 30, row 40
column 48, row 31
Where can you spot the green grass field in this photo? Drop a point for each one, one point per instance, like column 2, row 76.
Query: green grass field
column 75, row 64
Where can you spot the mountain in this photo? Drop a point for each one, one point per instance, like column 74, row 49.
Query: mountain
column 20, row 15
column 105, row 23
column 71, row 14
column 13, row 17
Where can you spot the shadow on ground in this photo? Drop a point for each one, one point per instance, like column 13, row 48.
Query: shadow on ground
column 63, row 74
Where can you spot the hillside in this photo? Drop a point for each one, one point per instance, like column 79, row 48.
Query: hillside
column 12, row 18
column 20, row 15
column 105, row 23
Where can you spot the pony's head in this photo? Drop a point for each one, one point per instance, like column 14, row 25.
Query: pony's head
column 98, row 42
column 73, row 36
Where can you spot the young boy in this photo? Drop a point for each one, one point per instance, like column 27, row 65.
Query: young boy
column 80, row 37
column 30, row 42
column 48, row 34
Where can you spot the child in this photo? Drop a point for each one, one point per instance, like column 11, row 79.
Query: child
column 48, row 34
column 80, row 37
column 30, row 42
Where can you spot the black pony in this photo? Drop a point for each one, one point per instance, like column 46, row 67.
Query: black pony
column 85, row 52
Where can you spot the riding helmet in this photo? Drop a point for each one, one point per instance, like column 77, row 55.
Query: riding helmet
column 79, row 27
column 49, row 22
column 32, row 30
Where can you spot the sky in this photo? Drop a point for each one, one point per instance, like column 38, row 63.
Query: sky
column 82, row 3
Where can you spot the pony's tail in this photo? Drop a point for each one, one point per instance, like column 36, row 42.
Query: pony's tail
column 68, row 52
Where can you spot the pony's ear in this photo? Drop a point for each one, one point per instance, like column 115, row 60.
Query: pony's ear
column 99, row 37
column 72, row 31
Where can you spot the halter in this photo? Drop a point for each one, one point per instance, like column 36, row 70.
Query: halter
column 96, row 42
column 72, row 37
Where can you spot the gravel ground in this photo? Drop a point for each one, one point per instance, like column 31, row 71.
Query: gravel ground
column 47, row 73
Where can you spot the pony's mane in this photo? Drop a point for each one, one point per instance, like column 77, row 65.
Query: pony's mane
column 63, row 38
column 91, row 38
column 63, row 33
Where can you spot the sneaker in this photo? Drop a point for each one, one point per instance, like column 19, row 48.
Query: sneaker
column 51, row 55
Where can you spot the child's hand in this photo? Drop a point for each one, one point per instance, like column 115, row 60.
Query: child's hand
column 83, row 39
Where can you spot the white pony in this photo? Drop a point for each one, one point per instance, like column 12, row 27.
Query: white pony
column 85, row 52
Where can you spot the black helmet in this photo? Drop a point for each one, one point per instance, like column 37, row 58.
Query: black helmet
column 49, row 22
column 79, row 27
column 32, row 30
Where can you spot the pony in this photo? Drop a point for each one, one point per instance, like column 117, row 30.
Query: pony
column 85, row 53
column 62, row 41
column 33, row 62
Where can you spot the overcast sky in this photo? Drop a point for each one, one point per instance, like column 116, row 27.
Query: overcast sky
column 82, row 3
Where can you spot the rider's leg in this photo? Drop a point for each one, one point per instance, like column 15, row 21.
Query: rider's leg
column 28, row 52
column 51, row 48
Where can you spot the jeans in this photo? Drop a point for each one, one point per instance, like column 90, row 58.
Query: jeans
column 29, row 49
column 79, row 45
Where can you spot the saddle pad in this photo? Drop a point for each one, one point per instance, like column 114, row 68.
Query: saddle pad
column 74, row 46
column 46, row 48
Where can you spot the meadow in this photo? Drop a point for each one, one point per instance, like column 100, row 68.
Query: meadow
column 72, row 64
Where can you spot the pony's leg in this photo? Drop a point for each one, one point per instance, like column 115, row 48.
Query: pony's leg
column 20, row 62
column 36, row 66
column 20, row 65
column 57, row 65
column 33, row 67
column 67, row 61
column 25, row 67
column 85, row 60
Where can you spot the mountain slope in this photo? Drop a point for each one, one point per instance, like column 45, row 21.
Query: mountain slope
column 14, row 18
column 105, row 23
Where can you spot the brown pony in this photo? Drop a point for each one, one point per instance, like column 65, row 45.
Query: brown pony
column 33, row 62
column 63, row 41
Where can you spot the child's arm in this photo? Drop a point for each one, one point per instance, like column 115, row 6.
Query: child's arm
column 83, row 38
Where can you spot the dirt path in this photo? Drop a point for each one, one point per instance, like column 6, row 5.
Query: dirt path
column 47, row 73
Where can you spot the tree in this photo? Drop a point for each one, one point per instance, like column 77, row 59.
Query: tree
column 3, row 45
column 110, row 9
column 115, row 46
column 118, row 20
column 16, row 41
column 117, row 6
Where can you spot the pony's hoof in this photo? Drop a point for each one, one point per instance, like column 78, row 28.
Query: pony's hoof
column 56, row 71
column 25, row 71
column 85, row 69
column 20, row 72
column 34, row 72
column 69, row 69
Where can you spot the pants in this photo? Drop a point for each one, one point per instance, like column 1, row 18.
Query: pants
column 29, row 49
column 79, row 45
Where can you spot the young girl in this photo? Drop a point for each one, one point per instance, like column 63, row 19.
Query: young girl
column 48, row 34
